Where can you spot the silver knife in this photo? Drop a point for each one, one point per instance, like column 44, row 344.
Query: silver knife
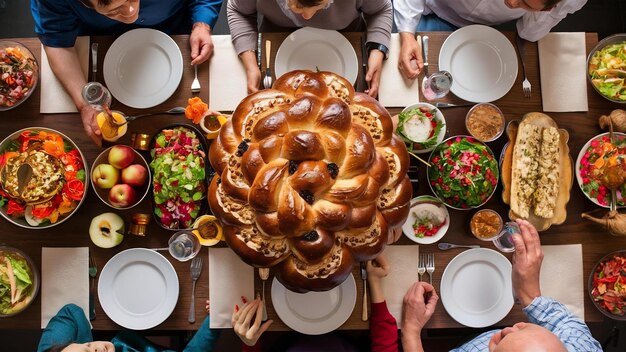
column 364, row 278
column 94, row 61
column 450, row 105
column 258, row 49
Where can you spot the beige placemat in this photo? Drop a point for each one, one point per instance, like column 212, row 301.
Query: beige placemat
column 229, row 279
column 227, row 76
column 64, row 280
column 562, row 276
column 54, row 98
column 563, row 69
column 402, row 274
column 395, row 90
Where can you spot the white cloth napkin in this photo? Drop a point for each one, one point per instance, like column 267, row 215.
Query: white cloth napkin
column 54, row 98
column 64, row 280
column 562, row 276
column 227, row 76
column 563, row 68
column 402, row 274
column 229, row 279
column 395, row 90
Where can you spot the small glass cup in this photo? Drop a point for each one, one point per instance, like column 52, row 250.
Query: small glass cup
column 183, row 245
column 504, row 240
column 437, row 85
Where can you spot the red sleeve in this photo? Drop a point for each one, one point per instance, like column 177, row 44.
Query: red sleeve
column 383, row 329
column 255, row 348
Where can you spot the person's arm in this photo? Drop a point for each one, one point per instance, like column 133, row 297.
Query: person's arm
column 526, row 261
column 555, row 317
column 383, row 327
column 418, row 306
column 203, row 16
column 69, row 325
column 242, row 22
column 407, row 14
column 65, row 64
column 535, row 25
column 379, row 18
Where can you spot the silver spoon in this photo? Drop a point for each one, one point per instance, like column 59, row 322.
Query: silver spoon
column 445, row 246
column 173, row 111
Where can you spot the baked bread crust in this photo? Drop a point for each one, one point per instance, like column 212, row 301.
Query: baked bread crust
column 309, row 179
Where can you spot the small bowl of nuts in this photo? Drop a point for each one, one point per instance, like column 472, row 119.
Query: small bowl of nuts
column 485, row 122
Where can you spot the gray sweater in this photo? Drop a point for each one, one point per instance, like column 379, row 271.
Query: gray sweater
column 242, row 19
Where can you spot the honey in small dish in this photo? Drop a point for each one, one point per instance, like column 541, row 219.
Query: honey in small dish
column 486, row 224
column 485, row 122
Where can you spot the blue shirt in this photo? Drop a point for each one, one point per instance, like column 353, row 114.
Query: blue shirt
column 70, row 325
column 59, row 22
column 553, row 316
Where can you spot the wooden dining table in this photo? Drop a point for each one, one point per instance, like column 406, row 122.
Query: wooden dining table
column 581, row 126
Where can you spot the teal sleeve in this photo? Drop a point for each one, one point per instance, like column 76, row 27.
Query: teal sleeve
column 204, row 339
column 69, row 325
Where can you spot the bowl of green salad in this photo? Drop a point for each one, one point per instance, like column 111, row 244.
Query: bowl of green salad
column 606, row 68
column 19, row 281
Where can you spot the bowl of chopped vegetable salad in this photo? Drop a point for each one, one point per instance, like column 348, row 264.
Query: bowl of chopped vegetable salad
column 57, row 184
column 606, row 67
column 19, row 281
column 463, row 172
column 428, row 220
column 421, row 126
column 607, row 285
column 180, row 175
column 19, row 74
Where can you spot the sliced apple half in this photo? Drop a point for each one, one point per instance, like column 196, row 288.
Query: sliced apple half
column 107, row 230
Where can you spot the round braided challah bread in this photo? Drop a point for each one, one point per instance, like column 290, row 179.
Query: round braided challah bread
column 310, row 179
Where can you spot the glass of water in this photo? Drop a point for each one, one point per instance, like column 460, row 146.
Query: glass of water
column 183, row 245
column 504, row 240
column 437, row 85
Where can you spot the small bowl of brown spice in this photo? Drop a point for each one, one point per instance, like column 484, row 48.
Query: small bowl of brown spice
column 485, row 122
column 486, row 224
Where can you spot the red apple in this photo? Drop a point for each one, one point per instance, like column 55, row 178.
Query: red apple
column 121, row 156
column 135, row 175
column 122, row 196
column 105, row 176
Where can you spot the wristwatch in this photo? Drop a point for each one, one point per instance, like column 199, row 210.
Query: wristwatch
column 377, row 46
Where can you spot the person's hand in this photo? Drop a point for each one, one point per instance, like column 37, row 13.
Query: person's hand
column 526, row 263
column 377, row 269
column 248, row 330
column 201, row 43
column 374, row 68
column 410, row 62
column 90, row 124
column 418, row 306
column 253, row 76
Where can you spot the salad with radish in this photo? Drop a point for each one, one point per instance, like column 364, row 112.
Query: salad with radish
column 18, row 76
column 179, row 177
column 421, row 126
column 608, row 284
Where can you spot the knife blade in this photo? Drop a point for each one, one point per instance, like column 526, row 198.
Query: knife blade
column 364, row 278
column 364, row 56
column 258, row 50
column 94, row 61
column 450, row 105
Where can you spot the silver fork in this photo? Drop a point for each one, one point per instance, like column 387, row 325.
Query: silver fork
column 195, row 85
column 267, row 80
column 430, row 266
column 196, row 269
column 526, row 87
column 421, row 266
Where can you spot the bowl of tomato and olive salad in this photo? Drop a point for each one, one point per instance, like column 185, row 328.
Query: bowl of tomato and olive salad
column 422, row 126
column 606, row 68
column 19, row 281
column 463, row 172
column 428, row 220
column 42, row 178
column 607, row 285
column 19, row 74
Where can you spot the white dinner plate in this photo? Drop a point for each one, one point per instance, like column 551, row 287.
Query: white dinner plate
column 476, row 288
column 482, row 61
column 138, row 288
column 313, row 48
column 314, row 313
column 143, row 68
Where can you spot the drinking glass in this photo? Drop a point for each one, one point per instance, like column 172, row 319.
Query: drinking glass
column 504, row 240
column 183, row 245
column 97, row 95
column 437, row 85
